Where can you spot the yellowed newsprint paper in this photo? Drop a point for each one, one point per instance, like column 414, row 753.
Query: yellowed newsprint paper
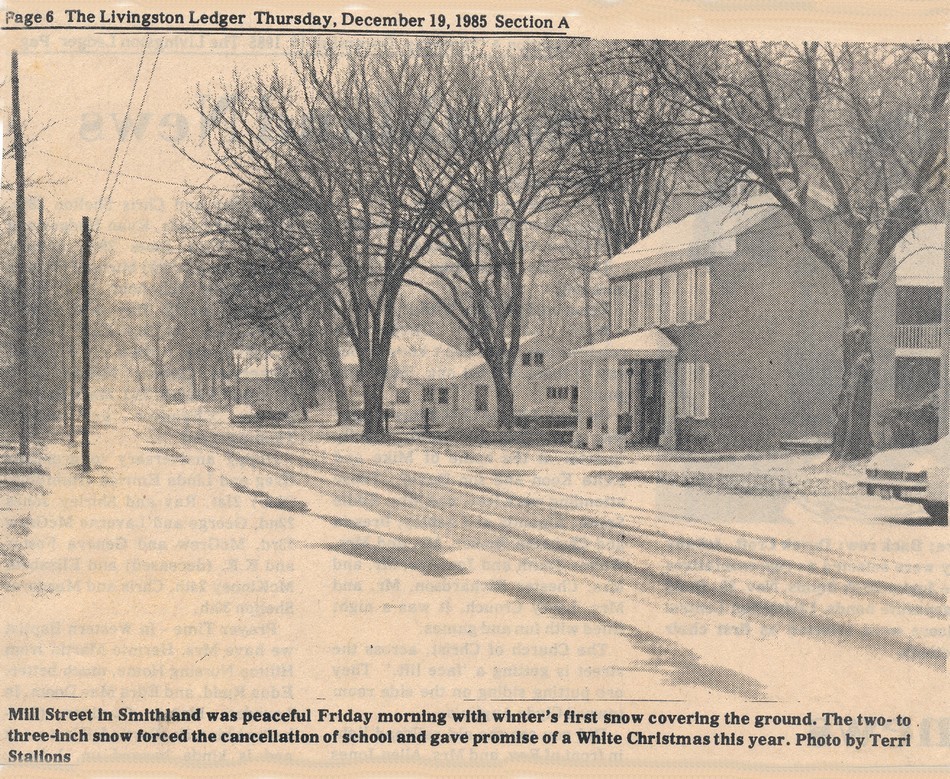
column 486, row 389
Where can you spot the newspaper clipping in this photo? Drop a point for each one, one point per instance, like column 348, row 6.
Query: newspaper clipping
column 437, row 388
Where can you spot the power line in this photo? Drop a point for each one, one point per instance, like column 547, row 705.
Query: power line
column 181, row 184
column 542, row 261
column 135, row 122
column 125, row 119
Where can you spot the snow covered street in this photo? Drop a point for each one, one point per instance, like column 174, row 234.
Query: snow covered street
column 201, row 562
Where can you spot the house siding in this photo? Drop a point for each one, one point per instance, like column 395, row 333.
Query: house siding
column 773, row 343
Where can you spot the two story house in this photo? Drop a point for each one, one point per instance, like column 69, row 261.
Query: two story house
column 725, row 334
column 910, row 297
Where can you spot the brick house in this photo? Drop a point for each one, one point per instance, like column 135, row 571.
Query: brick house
column 725, row 334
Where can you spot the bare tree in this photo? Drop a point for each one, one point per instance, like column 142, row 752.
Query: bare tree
column 346, row 143
column 500, row 137
column 265, row 279
column 848, row 138
column 619, row 135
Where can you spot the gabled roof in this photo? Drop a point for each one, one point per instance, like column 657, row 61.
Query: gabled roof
column 919, row 257
column 259, row 365
column 419, row 356
column 645, row 344
column 709, row 233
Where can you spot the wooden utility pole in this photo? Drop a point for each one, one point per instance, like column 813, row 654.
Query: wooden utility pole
column 86, row 241
column 943, row 409
column 72, row 365
column 22, row 313
column 39, row 345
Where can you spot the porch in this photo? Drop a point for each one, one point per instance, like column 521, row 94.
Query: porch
column 626, row 391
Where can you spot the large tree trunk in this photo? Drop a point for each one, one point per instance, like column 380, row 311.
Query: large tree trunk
column 331, row 354
column 505, row 398
column 851, row 439
column 374, row 420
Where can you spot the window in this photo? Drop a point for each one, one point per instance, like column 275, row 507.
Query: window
column 685, row 382
column 636, row 303
column 428, row 394
column 701, row 295
column 650, row 295
column 443, row 396
column 701, row 402
column 539, row 358
column 526, row 358
column 685, row 295
column 625, row 305
column 667, row 298
column 616, row 303
column 692, row 390
column 402, row 395
column 481, row 397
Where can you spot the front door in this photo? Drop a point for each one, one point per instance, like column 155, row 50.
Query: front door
column 651, row 401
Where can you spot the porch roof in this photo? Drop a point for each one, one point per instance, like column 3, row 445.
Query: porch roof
column 645, row 344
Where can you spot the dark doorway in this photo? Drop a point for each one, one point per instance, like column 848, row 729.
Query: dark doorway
column 651, row 401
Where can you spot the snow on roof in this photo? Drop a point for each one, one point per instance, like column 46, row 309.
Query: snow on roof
column 709, row 233
column 422, row 357
column 647, row 343
column 919, row 257
column 260, row 365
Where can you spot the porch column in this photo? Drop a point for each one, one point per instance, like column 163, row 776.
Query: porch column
column 633, row 381
column 579, row 439
column 668, row 436
column 595, row 436
column 612, row 440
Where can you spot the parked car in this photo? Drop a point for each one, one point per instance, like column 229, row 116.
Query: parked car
column 248, row 415
column 918, row 474
column 243, row 415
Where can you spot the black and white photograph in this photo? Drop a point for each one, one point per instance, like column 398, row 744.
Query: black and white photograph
column 440, row 390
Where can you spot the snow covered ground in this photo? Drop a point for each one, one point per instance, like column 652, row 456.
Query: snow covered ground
column 178, row 576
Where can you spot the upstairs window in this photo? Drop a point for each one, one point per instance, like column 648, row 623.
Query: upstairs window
column 701, row 295
column 685, row 295
column 636, row 303
column 651, row 296
column 667, row 298
column 539, row 358
column 616, row 304
column 625, row 305
column 526, row 358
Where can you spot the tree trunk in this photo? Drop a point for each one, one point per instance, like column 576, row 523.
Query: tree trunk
column 588, row 324
column 851, row 439
column 374, row 421
column 331, row 353
column 504, row 397
column 138, row 371
column 160, row 386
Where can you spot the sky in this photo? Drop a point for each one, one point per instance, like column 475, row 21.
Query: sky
column 81, row 84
